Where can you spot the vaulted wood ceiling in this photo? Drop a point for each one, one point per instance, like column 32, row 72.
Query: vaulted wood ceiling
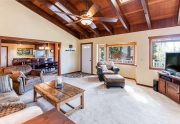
column 133, row 15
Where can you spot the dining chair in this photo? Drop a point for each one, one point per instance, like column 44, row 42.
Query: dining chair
column 50, row 65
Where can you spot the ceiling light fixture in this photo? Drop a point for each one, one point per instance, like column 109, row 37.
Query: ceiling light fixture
column 86, row 21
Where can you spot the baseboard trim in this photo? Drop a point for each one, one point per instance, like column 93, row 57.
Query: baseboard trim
column 144, row 85
column 130, row 78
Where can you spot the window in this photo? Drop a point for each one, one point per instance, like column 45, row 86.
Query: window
column 119, row 53
column 102, row 53
column 158, row 48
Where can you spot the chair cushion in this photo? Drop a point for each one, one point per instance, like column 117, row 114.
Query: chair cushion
column 109, row 64
column 5, row 85
column 104, row 67
column 108, row 72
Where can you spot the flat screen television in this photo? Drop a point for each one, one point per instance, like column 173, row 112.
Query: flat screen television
column 172, row 62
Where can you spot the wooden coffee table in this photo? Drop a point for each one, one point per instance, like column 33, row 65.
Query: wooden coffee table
column 58, row 97
column 50, row 117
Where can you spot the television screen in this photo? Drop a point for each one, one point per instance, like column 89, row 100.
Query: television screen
column 172, row 63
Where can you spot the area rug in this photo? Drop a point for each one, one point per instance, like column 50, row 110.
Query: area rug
column 76, row 75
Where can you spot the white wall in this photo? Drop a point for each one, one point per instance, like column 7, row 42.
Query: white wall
column 18, row 21
column 12, row 51
column 142, row 72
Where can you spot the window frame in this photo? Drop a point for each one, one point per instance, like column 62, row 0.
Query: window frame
column 159, row 39
column 106, row 46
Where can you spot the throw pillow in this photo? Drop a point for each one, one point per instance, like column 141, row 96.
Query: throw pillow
column 5, row 84
column 19, row 73
column 104, row 67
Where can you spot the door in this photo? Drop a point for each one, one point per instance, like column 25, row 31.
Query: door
column 86, row 58
column 3, row 56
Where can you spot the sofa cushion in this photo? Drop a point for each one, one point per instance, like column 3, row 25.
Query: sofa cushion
column 32, row 79
column 5, row 84
column 108, row 72
column 21, row 116
column 10, row 103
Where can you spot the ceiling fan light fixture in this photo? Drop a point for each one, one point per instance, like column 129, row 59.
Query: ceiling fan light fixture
column 86, row 21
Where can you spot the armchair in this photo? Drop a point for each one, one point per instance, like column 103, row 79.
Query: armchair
column 26, row 80
column 106, row 67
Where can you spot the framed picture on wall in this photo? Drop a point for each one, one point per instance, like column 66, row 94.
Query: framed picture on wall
column 25, row 51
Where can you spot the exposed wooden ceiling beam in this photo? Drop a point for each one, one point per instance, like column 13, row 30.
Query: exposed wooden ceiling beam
column 53, row 8
column 146, row 12
column 70, row 8
column 107, row 26
column 115, row 6
column 40, row 12
column 179, row 15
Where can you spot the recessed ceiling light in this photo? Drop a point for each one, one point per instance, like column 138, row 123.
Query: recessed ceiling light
column 123, row 1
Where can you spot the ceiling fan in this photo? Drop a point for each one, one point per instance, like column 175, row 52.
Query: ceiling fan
column 86, row 17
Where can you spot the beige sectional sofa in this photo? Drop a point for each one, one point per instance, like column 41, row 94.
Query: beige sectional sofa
column 26, row 82
column 12, row 109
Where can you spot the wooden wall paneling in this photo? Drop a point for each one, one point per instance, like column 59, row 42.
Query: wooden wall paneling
column 163, row 23
column 40, row 12
column 138, row 27
column 119, row 30
column 105, row 33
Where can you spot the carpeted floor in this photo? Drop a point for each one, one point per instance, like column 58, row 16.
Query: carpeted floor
column 132, row 105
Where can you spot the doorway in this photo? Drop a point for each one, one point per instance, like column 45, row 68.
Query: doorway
column 86, row 57
column 4, row 56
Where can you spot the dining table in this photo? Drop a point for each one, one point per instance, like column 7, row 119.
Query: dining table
column 34, row 64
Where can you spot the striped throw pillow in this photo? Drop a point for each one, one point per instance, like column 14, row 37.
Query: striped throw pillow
column 5, row 85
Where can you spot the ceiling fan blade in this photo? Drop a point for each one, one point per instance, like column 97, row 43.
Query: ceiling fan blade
column 104, row 19
column 93, row 10
column 92, row 25
column 73, row 22
column 68, row 14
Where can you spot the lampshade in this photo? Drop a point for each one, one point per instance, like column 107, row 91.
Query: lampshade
column 86, row 21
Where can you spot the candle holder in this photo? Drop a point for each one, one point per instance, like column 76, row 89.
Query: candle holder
column 59, row 82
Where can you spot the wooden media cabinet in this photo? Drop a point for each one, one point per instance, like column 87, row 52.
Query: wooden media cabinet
column 169, row 85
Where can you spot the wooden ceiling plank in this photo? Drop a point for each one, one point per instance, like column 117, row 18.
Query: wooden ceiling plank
column 40, row 12
column 63, row 16
column 107, row 26
column 76, row 12
column 179, row 15
column 146, row 12
column 115, row 6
